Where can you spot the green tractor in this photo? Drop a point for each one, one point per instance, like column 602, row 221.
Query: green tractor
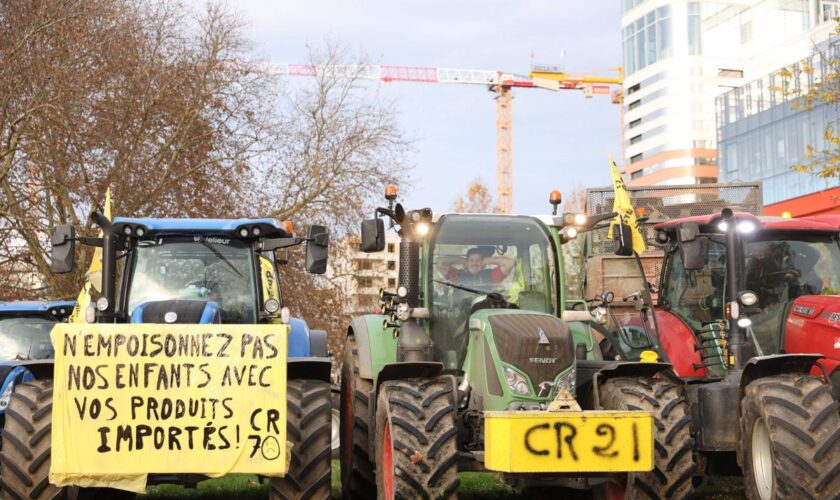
column 477, row 362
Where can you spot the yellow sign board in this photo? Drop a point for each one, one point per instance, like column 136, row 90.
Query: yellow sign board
column 589, row 441
column 154, row 398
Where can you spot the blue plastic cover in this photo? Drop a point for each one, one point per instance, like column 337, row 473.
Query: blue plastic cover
column 225, row 225
column 298, row 339
column 13, row 375
column 33, row 307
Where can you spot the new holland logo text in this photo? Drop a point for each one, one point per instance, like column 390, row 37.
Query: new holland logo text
column 542, row 361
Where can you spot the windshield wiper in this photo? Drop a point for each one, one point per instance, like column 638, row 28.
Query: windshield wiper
column 219, row 255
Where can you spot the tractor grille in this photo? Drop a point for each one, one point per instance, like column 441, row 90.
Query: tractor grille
column 517, row 338
column 188, row 311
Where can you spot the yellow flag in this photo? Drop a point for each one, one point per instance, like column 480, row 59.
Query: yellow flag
column 93, row 277
column 626, row 213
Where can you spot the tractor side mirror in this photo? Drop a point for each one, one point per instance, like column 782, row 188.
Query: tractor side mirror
column 691, row 248
column 63, row 249
column 623, row 240
column 373, row 235
column 317, row 249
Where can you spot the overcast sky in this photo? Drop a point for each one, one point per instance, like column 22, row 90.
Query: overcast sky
column 561, row 139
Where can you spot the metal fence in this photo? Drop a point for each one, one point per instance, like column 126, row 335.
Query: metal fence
column 661, row 203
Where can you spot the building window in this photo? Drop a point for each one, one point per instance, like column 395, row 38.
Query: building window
column 648, row 39
column 392, row 265
column 391, row 248
column 635, row 158
column 637, row 174
column 368, row 300
column 635, row 123
column 730, row 73
column 694, row 33
column 364, row 264
column 634, row 88
column 392, row 282
column 634, row 140
column 746, row 32
column 635, row 104
column 364, row 281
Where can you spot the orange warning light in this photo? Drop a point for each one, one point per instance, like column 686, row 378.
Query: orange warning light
column 641, row 212
column 288, row 226
column 555, row 197
column 390, row 192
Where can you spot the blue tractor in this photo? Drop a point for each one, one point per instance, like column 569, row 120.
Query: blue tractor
column 25, row 349
column 191, row 271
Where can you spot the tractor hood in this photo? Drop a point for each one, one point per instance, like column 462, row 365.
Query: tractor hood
column 538, row 345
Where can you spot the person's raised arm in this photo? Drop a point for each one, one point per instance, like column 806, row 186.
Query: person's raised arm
column 504, row 262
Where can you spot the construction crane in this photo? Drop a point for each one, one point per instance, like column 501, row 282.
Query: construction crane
column 499, row 82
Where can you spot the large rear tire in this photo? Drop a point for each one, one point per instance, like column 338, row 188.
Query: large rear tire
column 674, row 463
column 416, row 440
column 308, row 429
column 790, row 438
column 357, row 471
column 25, row 453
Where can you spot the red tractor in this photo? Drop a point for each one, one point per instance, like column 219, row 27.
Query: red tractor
column 748, row 314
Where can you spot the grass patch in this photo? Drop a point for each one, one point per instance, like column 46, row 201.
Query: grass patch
column 474, row 486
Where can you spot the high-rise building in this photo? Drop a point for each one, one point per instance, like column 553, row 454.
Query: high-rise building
column 680, row 55
column 361, row 275
column 763, row 131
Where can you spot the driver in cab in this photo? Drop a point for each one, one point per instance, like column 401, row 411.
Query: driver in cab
column 476, row 272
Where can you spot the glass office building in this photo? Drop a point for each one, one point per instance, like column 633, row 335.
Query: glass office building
column 764, row 131
column 680, row 55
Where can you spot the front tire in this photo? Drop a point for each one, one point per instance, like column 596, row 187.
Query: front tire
column 416, row 439
column 25, row 455
column 790, row 438
column 357, row 475
column 308, row 428
column 674, row 463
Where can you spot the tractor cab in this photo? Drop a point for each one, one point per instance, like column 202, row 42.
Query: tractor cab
column 193, row 270
column 25, row 341
column 474, row 267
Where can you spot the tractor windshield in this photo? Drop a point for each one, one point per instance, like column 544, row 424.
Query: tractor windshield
column 506, row 257
column 779, row 269
column 25, row 338
column 218, row 269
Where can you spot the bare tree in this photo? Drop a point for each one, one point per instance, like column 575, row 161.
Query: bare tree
column 477, row 199
column 133, row 95
column 338, row 148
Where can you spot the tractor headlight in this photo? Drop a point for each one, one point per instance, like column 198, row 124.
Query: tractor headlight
column 744, row 322
column 748, row 298
column 6, row 396
column 422, row 229
column 102, row 304
column 600, row 314
column 580, row 219
column 516, row 382
column 568, row 381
